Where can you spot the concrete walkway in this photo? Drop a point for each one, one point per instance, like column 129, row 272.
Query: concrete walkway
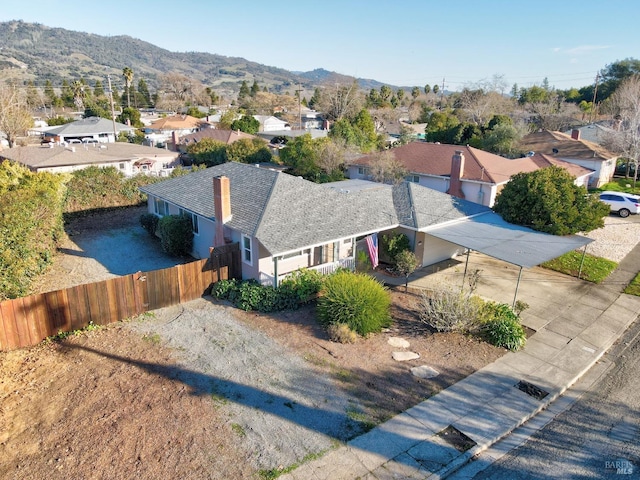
column 576, row 322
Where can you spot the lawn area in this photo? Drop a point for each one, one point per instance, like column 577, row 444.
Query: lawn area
column 620, row 185
column 594, row 269
column 634, row 287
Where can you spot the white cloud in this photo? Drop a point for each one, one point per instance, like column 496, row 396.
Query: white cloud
column 584, row 49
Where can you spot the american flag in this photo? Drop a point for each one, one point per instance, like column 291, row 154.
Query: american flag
column 372, row 245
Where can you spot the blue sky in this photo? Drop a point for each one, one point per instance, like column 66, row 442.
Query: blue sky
column 402, row 43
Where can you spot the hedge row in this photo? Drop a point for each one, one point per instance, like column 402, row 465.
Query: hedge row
column 30, row 226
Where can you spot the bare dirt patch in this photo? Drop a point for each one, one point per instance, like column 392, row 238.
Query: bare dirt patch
column 203, row 390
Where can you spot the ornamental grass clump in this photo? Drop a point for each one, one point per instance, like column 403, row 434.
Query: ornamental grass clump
column 355, row 299
column 501, row 326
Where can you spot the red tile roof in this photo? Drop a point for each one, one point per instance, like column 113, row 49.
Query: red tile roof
column 435, row 159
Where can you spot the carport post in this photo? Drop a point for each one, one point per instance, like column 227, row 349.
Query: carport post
column 517, row 285
column 584, row 253
column 466, row 264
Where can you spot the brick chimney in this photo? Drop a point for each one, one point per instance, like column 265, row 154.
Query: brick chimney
column 174, row 140
column 457, row 170
column 222, row 206
column 575, row 134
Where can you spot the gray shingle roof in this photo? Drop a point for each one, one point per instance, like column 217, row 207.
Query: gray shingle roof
column 88, row 126
column 286, row 213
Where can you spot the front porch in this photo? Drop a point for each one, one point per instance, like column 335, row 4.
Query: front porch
column 324, row 269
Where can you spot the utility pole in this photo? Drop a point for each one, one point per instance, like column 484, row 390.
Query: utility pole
column 593, row 103
column 442, row 94
column 298, row 91
column 113, row 112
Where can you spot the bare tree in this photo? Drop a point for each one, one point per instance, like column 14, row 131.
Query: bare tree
column 385, row 168
column 331, row 155
column 15, row 118
column 624, row 105
column 341, row 100
column 177, row 90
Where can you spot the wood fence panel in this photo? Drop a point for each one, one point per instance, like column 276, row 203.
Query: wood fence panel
column 21, row 323
column 9, row 323
column 112, row 299
column 162, row 287
column 98, row 304
column 80, row 315
column 126, row 298
column 37, row 318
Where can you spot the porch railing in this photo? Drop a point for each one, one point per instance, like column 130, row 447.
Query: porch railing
column 324, row 269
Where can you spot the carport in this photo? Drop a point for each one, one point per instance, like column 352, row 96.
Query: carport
column 491, row 235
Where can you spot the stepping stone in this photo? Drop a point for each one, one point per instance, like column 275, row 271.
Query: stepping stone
column 398, row 342
column 424, row 371
column 404, row 356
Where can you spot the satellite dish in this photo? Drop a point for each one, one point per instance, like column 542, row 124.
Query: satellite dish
column 554, row 150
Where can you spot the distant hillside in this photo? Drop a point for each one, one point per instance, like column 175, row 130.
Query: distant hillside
column 36, row 52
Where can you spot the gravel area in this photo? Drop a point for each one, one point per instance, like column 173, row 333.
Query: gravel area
column 281, row 407
column 618, row 237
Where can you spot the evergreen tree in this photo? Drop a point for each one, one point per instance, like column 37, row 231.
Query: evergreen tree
column 145, row 96
column 255, row 88
column 98, row 89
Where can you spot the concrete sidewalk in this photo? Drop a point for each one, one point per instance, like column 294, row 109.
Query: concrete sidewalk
column 576, row 322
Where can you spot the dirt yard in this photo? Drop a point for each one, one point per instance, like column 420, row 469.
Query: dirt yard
column 203, row 390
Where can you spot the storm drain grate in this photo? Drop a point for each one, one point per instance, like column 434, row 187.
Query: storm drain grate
column 456, row 438
column 531, row 390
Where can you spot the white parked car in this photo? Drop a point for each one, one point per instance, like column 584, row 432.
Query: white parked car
column 621, row 203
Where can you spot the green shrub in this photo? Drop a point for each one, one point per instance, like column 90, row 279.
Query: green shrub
column 501, row 327
column 30, row 225
column 355, row 299
column 223, row 288
column 176, row 234
column 392, row 244
column 149, row 222
column 303, row 283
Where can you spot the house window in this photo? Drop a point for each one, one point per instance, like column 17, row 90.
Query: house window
column 161, row 207
column 193, row 218
column 363, row 171
column 122, row 166
column 412, row 178
column 299, row 253
column 247, row 255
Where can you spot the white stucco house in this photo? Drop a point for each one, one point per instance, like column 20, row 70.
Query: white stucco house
column 573, row 149
column 283, row 223
column 128, row 158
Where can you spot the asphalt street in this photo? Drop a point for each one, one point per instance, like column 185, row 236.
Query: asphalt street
column 598, row 437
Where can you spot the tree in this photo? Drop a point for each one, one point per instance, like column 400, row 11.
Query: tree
column 427, row 89
column 247, row 124
column 130, row 116
column 315, row 99
column 127, row 73
column 145, row 95
column 624, row 105
column 79, row 93
column 248, row 150
column 301, row 156
column 244, row 91
column 385, row 168
column 15, row 118
column 207, row 152
column 443, row 127
column 51, row 99
column 226, row 119
column 255, row 88
column 340, row 101
column 549, row 201
column 406, row 264
column 177, row 90
column 98, row 89
column 34, row 100
column 415, row 92
column 400, row 94
column 66, row 94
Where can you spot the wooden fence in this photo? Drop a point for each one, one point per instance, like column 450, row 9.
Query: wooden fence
column 29, row 320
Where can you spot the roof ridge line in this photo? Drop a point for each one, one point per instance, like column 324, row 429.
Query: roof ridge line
column 266, row 203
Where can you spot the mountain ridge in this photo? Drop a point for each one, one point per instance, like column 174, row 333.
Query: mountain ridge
column 36, row 52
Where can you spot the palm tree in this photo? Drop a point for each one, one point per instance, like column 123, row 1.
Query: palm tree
column 77, row 88
column 127, row 73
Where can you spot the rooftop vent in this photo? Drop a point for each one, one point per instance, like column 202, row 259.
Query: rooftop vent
column 531, row 153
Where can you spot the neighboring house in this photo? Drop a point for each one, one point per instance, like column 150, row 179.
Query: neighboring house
column 167, row 130
column 283, row 223
column 270, row 123
column 224, row 136
column 594, row 132
column 572, row 149
column 465, row 172
column 94, row 128
column 128, row 158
